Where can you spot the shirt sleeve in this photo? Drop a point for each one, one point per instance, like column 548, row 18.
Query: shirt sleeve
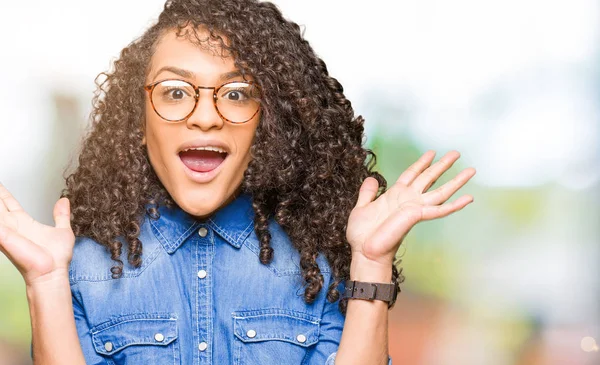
column 83, row 331
column 332, row 324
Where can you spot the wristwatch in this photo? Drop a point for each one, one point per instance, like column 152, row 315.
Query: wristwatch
column 371, row 291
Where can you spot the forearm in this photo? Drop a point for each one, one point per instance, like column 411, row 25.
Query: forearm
column 54, row 334
column 365, row 335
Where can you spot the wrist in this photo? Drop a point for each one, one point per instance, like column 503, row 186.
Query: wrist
column 49, row 282
column 367, row 270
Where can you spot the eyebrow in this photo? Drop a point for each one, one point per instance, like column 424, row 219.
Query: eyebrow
column 190, row 75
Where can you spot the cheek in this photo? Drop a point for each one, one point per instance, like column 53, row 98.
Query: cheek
column 244, row 144
column 152, row 141
column 156, row 132
column 157, row 138
column 246, row 139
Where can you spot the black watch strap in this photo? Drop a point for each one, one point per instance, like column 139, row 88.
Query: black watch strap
column 371, row 291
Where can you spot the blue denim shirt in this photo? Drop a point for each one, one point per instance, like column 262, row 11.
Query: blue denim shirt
column 201, row 296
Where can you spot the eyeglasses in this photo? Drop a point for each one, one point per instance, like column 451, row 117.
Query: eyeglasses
column 175, row 100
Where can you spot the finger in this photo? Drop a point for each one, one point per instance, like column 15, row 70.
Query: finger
column 414, row 170
column 368, row 191
column 431, row 174
column 444, row 192
column 9, row 201
column 19, row 250
column 62, row 213
column 429, row 185
column 439, row 211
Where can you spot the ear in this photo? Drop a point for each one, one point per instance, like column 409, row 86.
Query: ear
column 144, row 140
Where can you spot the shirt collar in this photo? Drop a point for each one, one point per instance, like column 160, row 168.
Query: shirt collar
column 233, row 223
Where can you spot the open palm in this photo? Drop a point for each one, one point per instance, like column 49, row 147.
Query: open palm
column 376, row 228
column 37, row 250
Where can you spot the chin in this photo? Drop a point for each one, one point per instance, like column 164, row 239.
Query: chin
column 199, row 203
column 202, row 202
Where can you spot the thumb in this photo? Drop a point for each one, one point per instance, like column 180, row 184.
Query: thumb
column 62, row 213
column 368, row 191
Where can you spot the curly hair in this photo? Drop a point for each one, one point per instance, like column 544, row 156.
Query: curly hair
column 309, row 187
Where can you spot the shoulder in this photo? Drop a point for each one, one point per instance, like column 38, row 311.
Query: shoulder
column 286, row 258
column 92, row 261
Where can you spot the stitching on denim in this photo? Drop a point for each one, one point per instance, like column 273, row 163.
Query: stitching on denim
column 197, row 304
column 254, row 313
column 209, row 298
column 172, row 246
column 185, row 235
column 313, row 334
column 224, row 233
column 250, row 244
column 175, row 347
column 254, row 248
column 126, row 274
column 239, row 340
column 173, row 352
column 72, row 280
column 239, row 344
column 166, row 342
column 304, row 357
column 281, row 338
column 157, row 229
column 133, row 318
column 246, row 232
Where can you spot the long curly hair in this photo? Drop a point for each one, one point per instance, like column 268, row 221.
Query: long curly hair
column 308, row 187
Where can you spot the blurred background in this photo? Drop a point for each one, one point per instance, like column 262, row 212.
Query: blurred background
column 514, row 85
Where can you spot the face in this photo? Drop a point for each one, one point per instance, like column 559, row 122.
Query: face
column 199, row 181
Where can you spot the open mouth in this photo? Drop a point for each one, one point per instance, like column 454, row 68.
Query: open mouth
column 202, row 160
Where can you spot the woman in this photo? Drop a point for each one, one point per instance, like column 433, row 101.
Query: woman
column 221, row 201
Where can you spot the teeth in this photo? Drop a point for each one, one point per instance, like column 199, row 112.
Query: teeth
column 207, row 148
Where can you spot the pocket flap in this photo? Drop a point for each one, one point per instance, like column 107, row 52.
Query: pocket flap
column 276, row 324
column 139, row 329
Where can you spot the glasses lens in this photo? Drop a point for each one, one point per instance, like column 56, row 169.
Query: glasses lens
column 238, row 101
column 174, row 99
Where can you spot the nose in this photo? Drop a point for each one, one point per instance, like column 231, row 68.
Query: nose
column 205, row 115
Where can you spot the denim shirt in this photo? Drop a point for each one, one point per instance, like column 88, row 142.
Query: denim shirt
column 201, row 296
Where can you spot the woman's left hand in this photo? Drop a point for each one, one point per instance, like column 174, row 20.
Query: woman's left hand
column 377, row 227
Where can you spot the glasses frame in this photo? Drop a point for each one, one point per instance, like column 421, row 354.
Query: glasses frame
column 150, row 89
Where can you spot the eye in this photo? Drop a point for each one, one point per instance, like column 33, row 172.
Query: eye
column 173, row 92
column 176, row 93
column 235, row 95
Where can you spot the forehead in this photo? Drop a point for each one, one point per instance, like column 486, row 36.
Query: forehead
column 194, row 52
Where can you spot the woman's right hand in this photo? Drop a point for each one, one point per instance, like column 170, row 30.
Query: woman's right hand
column 39, row 252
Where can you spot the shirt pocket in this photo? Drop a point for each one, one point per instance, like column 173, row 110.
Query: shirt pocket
column 273, row 336
column 138, row 339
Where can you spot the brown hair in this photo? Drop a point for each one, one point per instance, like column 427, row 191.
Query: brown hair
column 309, row 186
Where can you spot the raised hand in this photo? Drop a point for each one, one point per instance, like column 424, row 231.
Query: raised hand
column 376, row 228
column 37, row 250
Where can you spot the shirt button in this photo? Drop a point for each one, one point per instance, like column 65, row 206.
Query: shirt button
column 108, row 346
column 159, row 337
column 203, row 232
column 202, row 274
column 202, row 346
column 251, row 333
column 301, row 338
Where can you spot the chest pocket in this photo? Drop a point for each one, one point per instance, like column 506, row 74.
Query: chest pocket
column 273, row 336
column 138, row 339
